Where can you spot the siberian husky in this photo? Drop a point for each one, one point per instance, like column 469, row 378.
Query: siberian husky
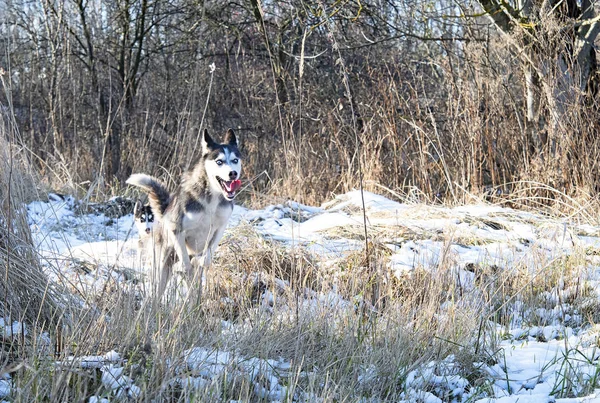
column 144, row 218
column 144, row 221
column 192, row 219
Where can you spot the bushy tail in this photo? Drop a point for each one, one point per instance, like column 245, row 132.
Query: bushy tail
column 158, row 194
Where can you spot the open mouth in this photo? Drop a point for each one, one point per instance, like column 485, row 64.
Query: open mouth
column 229, row 187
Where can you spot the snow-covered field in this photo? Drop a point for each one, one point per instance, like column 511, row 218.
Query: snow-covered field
column 542, row 350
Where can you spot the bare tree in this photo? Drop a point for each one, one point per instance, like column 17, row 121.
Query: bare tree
column 555, row 40
column 103, row 87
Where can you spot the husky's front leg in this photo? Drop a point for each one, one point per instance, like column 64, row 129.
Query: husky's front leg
column 161, row 270
column 205, row 260
column 212, row 245
column 184, row 265
column 162, row 274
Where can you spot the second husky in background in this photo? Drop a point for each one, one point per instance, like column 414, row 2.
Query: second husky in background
column 144, row 218
column 144, row 222
column 193, row 219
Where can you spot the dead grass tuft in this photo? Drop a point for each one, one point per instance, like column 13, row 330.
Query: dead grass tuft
column 26, row 295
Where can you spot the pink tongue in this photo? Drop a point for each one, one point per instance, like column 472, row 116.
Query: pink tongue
column 232, row 186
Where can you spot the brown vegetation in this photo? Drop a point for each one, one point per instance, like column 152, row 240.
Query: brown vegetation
column 26, row 294
column 415, row 97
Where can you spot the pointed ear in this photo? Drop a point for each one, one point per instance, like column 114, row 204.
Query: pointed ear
column 207, row 142
column 230, row 138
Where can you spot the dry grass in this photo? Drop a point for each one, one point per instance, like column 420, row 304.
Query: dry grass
column 330, row 343
column 263, row 301
column 333, row 324
column 26, row 294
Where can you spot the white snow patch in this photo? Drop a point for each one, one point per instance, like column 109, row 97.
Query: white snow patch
column 8, row 330
column 92, row 361
column 121, row 385
column 5, row 389
column 207, row 365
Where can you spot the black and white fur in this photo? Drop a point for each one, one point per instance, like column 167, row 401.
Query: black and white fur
column 144, row 221
column 144, row 218
column 193, row 219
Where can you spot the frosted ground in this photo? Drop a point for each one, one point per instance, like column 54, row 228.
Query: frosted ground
column 538, row 360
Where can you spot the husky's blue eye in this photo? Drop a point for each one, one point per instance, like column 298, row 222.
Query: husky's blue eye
column 219, row 162
column 235, row 161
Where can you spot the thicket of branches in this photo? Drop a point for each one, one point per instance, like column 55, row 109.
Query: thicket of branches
column 439, row 97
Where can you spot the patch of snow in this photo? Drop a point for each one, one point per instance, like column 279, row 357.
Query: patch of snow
column 5, row 389
column 533, row 370
column 8, row 331
column 92, row 361
column 207, row 365
column 372, row 201
column 121, row 385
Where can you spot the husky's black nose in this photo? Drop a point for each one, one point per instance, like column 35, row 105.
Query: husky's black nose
column 148, row 230
column 232, row 175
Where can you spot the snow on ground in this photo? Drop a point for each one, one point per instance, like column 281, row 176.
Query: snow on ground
column 86, row 250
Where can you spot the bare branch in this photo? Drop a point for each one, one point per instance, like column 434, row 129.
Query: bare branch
column 499, row 14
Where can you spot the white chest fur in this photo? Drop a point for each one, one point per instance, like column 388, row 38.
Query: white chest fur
column 202, row 228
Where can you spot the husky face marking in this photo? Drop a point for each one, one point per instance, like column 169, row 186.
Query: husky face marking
column 144, row 218
column 222, row 164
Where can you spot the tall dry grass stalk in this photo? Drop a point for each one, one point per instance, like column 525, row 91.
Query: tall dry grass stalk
column 26, row 294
